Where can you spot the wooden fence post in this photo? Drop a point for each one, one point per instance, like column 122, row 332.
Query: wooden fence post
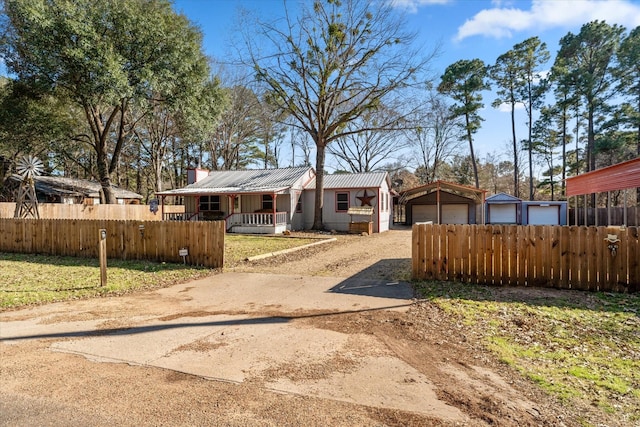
column 102, row 250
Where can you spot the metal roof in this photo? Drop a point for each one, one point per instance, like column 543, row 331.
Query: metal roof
column 352, row 180
column 62, row 186
column 243, row 181
column 617, row 177
column 502, row 198
column 439, row 185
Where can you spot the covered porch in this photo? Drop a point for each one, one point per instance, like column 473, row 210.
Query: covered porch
column 247, row 213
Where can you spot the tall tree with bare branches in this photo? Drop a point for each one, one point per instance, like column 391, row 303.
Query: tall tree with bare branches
column 334, row 63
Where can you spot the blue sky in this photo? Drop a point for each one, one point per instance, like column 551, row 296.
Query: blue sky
column 465, row 29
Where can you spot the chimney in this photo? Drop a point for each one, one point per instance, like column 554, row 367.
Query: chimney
column 195, row 175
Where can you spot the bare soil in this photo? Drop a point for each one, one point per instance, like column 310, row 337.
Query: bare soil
column 53, row 388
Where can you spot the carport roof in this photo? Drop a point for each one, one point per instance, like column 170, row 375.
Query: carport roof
column 617, row 177
column 442, row 185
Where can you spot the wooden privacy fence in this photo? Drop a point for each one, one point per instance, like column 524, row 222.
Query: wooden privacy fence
column 567, row 257
column 129, row 240
column 79, row 211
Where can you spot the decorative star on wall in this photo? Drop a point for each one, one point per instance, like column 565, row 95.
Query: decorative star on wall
column 365, row 199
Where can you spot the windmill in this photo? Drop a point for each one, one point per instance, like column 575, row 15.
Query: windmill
column 27, row 203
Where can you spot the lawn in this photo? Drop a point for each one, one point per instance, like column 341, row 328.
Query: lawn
column 35, row 279
column 578, row 346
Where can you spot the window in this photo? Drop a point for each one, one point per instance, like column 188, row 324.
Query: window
column 342, row 202
column 299, row 204
column 209, row 203
column 267, row 202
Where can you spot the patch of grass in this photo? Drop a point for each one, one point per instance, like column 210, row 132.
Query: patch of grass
column 237, row 248
column 27, row 279
column 577, row 346
column 36, row 279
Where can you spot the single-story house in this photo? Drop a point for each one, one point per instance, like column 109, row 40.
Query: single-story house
column 352, row 198
column 270, row 201
column 58, row 189
column 443, row 203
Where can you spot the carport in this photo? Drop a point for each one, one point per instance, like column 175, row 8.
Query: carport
column 443, row 203
column 621, row 176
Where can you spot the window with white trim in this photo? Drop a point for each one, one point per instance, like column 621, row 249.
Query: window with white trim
column 342, row 202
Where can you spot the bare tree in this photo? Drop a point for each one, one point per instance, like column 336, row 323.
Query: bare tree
column 436, row 136
column 364, row 151
column 335, row 62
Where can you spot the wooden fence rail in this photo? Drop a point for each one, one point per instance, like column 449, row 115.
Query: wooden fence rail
column 568, row 257
column 149, row 240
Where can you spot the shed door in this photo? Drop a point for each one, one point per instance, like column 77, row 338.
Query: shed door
column 455, row 214
column 544, row 215
column 502, row 214
column 423, row 213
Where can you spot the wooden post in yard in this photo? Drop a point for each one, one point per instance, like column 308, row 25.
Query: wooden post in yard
column 102, row 252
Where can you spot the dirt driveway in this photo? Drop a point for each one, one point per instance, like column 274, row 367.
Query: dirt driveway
column 325, row 336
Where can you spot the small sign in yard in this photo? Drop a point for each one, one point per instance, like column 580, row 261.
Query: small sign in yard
column 183, row 252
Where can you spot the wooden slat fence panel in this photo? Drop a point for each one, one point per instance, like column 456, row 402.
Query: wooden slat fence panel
column 567, row 257
column 79, row 211
column 148, row 240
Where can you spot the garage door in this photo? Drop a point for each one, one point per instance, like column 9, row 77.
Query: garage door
column 455, row 214
column 544, row 215
column 502, row 214
column 423, row 213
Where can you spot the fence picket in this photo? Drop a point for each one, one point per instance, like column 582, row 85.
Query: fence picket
column 633, row 257
column 124, row 239
column 563, row 257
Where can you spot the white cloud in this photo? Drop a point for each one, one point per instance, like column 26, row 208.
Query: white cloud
column 499, row 22
column 506, row 108
column 411, row 6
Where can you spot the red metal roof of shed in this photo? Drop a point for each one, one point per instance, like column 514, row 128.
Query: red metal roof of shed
column 617, row 177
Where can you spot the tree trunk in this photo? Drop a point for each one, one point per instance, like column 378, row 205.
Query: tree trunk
column 591, row 143
column 530, row 151
column 516, row 168
column 473, row 156
column 100, row 134
column 319, row 196
column 564, row 151
column 109, row 196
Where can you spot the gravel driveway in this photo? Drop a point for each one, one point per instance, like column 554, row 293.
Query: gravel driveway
column 324, row 336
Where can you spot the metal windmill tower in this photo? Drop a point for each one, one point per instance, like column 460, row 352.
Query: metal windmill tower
column 27, row 203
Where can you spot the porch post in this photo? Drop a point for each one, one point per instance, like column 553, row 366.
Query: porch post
column 232, row 202
column 438, row 203
column 273, row 198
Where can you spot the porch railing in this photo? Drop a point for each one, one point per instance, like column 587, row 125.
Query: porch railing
column 256, row 219
column 180, row 216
